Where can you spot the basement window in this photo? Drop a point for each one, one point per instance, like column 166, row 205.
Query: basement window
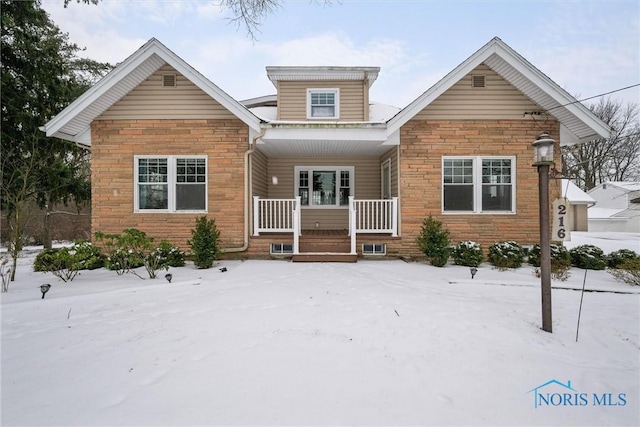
column 374, row 249
column 281, row 249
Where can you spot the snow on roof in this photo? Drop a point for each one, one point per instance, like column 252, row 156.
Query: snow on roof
column 604, row 213
column 575, row 195
column 627, row 186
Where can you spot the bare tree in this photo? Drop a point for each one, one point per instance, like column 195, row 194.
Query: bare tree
column 616, row 158
column 244, row 13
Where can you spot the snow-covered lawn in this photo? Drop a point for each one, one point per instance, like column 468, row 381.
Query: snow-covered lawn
column 281, row 343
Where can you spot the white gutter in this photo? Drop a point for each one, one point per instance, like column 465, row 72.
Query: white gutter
column 247, row 194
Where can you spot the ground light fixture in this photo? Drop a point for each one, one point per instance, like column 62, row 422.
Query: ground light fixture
column 44, row 289
column 542, row 160
column 473, row 271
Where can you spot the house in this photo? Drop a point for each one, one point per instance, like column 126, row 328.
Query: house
column 617, row 207
column 580, row 204
column 320, row 171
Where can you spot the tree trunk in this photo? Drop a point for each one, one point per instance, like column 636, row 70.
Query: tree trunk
column 47, row 227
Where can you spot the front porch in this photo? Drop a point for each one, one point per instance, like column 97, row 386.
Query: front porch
column 279, row 221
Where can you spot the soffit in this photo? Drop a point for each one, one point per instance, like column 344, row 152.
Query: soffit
column 540, row 96
column 116, row 92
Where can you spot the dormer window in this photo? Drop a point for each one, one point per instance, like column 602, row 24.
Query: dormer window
column 323, row 104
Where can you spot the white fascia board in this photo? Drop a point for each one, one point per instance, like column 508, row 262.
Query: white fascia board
column 326, row 134
column 152, row 47
column 552, row 89
column 101, row 87
column 520, row 64
column 440, row 87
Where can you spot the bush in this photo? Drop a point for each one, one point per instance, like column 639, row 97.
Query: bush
column 560, row 260
column 468, row 253
column 628, row 271
column 204, row 243
column 588, row 257
column 504, row 255
column 614, row 259
column 125, row 251
column 172, row 255
column 66, row 263
column 559, row 255
column 434, row 242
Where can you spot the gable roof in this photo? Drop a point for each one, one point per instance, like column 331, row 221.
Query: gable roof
column 73, row 123
column 574, row 116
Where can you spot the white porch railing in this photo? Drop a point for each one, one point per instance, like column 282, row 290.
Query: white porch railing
column 374, row 216
column 365, row 216
column 277, row 216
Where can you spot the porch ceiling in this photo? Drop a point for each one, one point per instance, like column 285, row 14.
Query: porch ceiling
column 322, row 140
column 322, row 148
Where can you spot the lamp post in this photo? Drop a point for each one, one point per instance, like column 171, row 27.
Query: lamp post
column 543, row 158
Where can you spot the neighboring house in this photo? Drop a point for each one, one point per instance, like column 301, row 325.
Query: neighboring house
column 617, row 207
column 319, row 167
column 580, row 204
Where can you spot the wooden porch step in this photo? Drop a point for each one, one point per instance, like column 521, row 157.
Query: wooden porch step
column 324, row 257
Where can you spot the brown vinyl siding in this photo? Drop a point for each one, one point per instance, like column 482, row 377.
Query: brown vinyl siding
column 497, row 100
column 259, row 174
column 367, row 186
column 152, row 100
column 292, row 99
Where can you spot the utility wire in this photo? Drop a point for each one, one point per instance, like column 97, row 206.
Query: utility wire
column 595, row 96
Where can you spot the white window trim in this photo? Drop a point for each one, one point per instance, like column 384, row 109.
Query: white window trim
column 477, row 186
column 171, row 182
column 337, row 170
column 336, row 91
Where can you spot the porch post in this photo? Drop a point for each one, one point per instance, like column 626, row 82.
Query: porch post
column 296, row 226
column 352, row 224
column 256, row 215
column 394, row 213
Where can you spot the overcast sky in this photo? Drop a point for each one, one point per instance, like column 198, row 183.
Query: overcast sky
column 587, row 47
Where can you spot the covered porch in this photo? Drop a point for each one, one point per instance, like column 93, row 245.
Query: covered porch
column 366, row 216
column 338, row 178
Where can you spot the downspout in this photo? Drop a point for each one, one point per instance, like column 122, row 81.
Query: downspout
column 247, row 182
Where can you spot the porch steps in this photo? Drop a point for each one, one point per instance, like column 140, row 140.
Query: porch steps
column 325, row 246
column 324, row 257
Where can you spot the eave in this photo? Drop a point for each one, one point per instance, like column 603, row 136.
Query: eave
column 581, row 124
column 74, row 122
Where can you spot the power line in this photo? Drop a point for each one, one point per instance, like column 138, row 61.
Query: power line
column 595, row 96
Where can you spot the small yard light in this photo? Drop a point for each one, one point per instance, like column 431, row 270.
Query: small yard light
column 473, row 270
column 168, row 276
column 44, row 289
column 542, row 159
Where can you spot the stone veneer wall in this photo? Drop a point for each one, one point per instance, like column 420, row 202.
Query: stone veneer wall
column 425, row 142
column 114, row 144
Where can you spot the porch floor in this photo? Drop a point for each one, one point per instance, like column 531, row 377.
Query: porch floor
column 324, row 233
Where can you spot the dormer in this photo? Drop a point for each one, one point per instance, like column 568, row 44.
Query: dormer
column 323, row 94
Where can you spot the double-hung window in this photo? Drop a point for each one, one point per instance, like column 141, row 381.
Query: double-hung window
column 478, row 184
column 170, row 184
column 323, row 103
column 324, row 186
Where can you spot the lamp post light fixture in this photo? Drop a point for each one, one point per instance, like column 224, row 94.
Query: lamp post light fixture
column 543, row 159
